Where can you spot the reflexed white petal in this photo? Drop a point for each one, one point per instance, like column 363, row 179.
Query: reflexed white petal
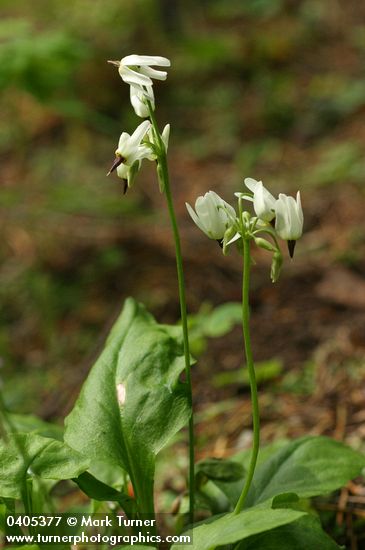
column 133, row 152
column 251, row 184
column 136, row 70
column 141, row 60
column 134, row 77
column 263, row 203
column 140, row 132
column 195, row 217
column 123, row 140
column 153, row 73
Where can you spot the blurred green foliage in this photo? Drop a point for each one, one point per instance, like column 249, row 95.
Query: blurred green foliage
column 266, row 371
column 40, row 64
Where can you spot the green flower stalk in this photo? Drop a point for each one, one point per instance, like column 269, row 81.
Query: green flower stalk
column 147, row 142
column 251, row 373
column 164, row 182
column 218, row 220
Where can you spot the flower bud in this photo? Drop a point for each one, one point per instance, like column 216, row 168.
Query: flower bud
column 289, row 219
column 160, row 177
column 277, row 261
column 265, row 244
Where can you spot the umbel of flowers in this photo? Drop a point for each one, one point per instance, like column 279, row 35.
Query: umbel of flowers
column 145, row 142
column 281, row 217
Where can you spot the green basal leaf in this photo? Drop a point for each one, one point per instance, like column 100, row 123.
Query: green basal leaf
column 216, row 470
column 232, row 490
column 25, row 423
column 285, row 500
column 219, row 469
column 231, row 528
column 309, row 466
column 132, row 402
column 303, row 534
column 22, row 455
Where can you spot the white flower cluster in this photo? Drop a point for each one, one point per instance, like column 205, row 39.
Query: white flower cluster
column 281, row 217
column 137, row 71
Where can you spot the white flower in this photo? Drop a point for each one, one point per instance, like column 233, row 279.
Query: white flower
column 212, row 215
column 130, row 152
column 289, row 219
column 263, row 201
column 139, row 97
column 137, row 70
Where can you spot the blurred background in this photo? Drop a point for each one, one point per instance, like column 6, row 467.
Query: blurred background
column 272, row 89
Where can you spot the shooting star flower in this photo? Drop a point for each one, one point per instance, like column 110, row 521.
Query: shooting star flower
column 263, row 201
column 289, row 219
column 212, row 215
column 130, row 152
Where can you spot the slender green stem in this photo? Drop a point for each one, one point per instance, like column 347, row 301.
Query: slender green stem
column 163, row 174
column 251, row 373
